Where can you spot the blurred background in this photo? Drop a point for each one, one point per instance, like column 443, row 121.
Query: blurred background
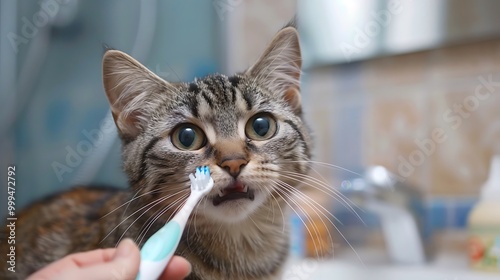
column 411, row 86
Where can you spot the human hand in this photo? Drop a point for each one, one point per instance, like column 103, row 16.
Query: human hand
column 121, row 263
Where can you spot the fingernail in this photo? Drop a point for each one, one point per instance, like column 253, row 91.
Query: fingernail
column 124, row 248
column 190, row 269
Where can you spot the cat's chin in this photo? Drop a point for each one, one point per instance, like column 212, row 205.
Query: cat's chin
column 233, row 211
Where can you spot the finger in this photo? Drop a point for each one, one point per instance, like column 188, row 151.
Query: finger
column 73, row 262
column 92, row 257
column 123, row 266
column 177, row 269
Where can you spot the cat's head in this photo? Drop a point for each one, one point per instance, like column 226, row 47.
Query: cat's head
column 247, row 128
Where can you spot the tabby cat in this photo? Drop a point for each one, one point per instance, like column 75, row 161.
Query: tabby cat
column 247, row 128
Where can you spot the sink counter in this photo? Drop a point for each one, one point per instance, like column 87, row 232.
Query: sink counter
column 447, row 266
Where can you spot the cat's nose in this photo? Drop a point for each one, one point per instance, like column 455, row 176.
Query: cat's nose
column 233, row 166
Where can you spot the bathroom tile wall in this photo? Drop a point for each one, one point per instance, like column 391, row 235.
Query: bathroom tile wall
column 250, row 26
column 439, row 111
column 431, row 117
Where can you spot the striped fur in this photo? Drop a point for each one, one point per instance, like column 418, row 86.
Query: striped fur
column 238, row 239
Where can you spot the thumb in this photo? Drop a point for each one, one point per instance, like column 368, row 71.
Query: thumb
column 125, row 263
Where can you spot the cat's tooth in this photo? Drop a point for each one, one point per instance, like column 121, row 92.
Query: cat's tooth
column 245, row 189
column 221, row 193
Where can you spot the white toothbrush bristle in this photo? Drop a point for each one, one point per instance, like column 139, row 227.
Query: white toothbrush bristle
column 201, row 181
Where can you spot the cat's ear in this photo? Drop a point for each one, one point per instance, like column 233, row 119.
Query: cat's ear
column 279, row 67
column 129, row 87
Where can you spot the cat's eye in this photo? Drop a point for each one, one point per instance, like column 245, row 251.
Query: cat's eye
column 261, row 127
column 188, row 137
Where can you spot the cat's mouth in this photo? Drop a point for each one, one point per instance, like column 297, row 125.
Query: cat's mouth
column 236, row 190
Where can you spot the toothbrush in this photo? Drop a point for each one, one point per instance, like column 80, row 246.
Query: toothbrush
column 160, row 247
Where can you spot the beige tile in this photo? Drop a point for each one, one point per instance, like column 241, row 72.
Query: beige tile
column 251, row 26
column 392, row 123
column 262, row 19
column 465, row 60
column 396, row 70
column 460, row 163
column 425, row 114
column 319, row 101
column 404, row 117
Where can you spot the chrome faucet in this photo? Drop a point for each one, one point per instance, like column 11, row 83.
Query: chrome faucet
column 392, row 201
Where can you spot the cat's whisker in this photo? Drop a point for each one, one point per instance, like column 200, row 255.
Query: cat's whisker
column 306, row 199
column 218, row 230
column 157, row 190
column 250, row 217
column 126, row 208
column 326, row 187
column 324, row 182
column 322, row 187
column 321, row 177
column 303, row 195
column 311, row 182
column 306, row 214
column 154, row 202
column 150, row 221
column 204, row 199
column 271, row 206
column 312, row 204
column 176, row 75
column 323, row 164
column 288, row 200
column 279, row 207
column 189, row 226
column 147, row 224
column 125, row 203
column 299, row 216
column 342, row 235
column 157, row 215
column 194, row 217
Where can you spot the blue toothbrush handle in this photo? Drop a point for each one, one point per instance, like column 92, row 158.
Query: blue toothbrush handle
column 158, row 250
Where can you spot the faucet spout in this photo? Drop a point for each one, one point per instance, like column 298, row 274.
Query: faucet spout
column 381, row 193
column 401, row 233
